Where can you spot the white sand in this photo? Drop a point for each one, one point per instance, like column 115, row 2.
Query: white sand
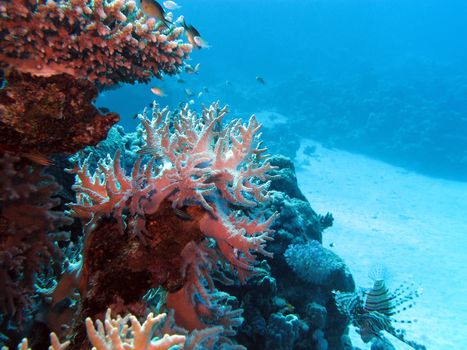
column 415, row 225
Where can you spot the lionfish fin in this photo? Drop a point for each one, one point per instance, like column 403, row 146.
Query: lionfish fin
column 378, row 272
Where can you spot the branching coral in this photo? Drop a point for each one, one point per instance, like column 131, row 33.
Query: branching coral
column 115, row 333
column 197, row 164
column 28, row 229
column 202, row 304
column 54, row 344
column 155, row 333
column 174, row 220
column 106, row 42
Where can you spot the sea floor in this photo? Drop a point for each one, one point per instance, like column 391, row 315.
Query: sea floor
column 414, row 225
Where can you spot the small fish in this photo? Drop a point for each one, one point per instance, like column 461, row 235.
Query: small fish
column 38, row 158
column 260, row 80
column 153, row 9
column 171, row 5
column 201, row 43
column 182, row 214
column 200, row 94
column 180, row 80
column 157, row 91
column 194, row 37
column 228, row 82
column 180, row 19
column 188, row 92
column 192, row 70
column 103, row 110
column 332, row 245
column 191, row 102
column 205, row 89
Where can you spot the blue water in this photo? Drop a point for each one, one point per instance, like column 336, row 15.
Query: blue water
column 383, row 78
column 369, row 100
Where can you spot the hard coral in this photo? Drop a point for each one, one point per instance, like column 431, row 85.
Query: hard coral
column 106, row 42
column 45, row 115
column 115, row 333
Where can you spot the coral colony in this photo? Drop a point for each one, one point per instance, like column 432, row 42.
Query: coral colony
column 157, row 239
column 105, row 42
column 196, row 172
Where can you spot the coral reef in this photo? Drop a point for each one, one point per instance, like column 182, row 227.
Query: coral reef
column 55, row 54
column 155, row 333
column 386, row 115
column 105, row 42
column 183, row 210
column 115, row 333
column 314, row 263
column 175, row 220
column 45, row 115
column 277, row 292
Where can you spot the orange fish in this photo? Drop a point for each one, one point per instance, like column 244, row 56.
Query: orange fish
column 157, row 91
column 38, row 158
column 194, row 37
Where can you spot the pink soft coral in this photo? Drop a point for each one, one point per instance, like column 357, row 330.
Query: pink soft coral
column 179, row 201
column 199, row 163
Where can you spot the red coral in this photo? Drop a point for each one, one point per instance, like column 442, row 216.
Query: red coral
column 106, row 42
column 46, row 115
column 198, row 166
column 170, row 206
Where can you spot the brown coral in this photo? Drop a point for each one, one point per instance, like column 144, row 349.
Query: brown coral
column 50, row 114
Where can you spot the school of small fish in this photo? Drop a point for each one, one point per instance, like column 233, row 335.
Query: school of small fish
column 152, row 8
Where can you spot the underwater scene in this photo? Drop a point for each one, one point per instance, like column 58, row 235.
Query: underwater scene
column 232, row 175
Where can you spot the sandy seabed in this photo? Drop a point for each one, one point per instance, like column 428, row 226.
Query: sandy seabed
column 414, row 225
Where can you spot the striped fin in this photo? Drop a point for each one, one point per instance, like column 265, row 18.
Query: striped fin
column 374, row 322
column 405, row 296
column 378, row 272
column 347, row 303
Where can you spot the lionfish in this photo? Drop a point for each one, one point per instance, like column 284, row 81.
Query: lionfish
column 373, row 310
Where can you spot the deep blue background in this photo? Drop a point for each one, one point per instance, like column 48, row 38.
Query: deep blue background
column 383, row 77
